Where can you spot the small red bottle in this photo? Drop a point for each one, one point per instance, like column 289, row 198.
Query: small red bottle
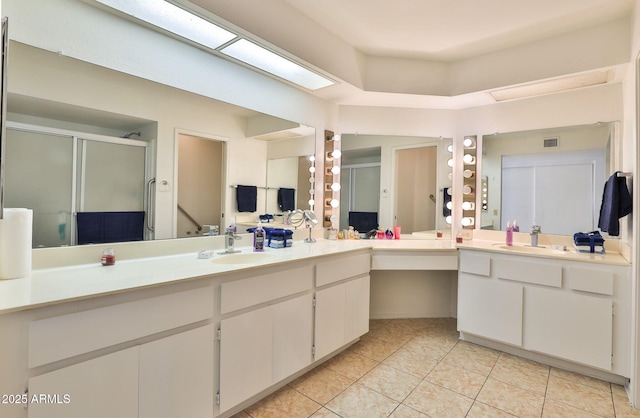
column 108, row 257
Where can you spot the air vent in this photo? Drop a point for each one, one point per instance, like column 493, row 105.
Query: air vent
column 550, row 142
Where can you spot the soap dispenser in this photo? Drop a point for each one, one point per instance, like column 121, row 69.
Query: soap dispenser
column 509, row 234
column 258, row 238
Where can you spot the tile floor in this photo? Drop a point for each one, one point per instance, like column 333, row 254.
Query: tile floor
column 406, row 368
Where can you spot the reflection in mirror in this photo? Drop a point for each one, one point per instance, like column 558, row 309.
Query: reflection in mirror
column 290, row 166
column 394, row 180
column 63, row 94
column 551, row 177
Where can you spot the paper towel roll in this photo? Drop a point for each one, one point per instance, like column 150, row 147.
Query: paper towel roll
column 15, row 243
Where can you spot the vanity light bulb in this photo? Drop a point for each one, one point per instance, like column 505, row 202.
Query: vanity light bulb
column 312, row 202
column 336, row 153
column 449, row 205
column 312, row 158
column 467, row 189
column 334, row 203
column 312, row 179
column 466, row 221
column 468, row 142
column 335, row 169
column 336, row 137
column 450, row 148
column 312, row 192
column 448, row 219
column 467, row 205
column 468, row 159
column 312, row 169
column 335, row 187
column 450, row 162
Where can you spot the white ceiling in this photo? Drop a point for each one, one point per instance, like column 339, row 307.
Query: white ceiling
column 413, row 40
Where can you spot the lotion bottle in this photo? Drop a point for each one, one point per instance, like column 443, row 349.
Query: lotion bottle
column 509, row 234
column 258, row 238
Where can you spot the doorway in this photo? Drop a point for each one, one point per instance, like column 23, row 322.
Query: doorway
column 200, row 179
column 415, row 189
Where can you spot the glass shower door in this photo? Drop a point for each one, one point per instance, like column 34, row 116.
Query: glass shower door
column 39, row 174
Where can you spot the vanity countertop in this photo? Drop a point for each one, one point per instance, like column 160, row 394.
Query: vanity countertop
column 49, row 286
column 546, row 251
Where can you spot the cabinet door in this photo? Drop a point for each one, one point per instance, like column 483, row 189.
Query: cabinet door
column 569, row 325
column 490, row 308
column 245, row 356
column 105, row 387
column 176, row 375
column 292, row 336
column 330, row 320
column 357, row 308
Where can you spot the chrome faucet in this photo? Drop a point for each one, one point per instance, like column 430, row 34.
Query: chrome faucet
column 535, row 231
column 230, row 238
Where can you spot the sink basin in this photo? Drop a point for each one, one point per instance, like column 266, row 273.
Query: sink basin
column 243, row 258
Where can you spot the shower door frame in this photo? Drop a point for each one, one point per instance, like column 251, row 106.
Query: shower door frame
column 76, row 137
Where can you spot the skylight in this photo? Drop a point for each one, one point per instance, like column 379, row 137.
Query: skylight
column 259, row 57
column 185, row 24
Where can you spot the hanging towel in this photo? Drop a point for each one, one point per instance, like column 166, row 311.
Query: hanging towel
column 616, row 203
column 246, row 197
column 286, row 199
column 103, row 227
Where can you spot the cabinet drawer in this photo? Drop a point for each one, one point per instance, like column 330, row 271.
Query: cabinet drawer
column 241, row 294
column 594, row 281
column 479, row 264
column 342, row 268
column 528, row 272
column 69, row 335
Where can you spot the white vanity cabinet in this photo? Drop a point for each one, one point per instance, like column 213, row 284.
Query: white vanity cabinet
column 135, row 359
column 265, row 332
column 341, row 302
column 551, row 306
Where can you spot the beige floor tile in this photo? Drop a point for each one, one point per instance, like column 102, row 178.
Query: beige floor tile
column 524, row 363
column 520, row 374
column 437, row 401
column 390, row 382
column 580, row 396
column 321, row 384
column 404, row 411
column 511, row 399
column 431, row 343
column 583, row 380
column 475, row 361
column 325, row 413
column 553, row 409
column 457, row 379
column 284, row 403
column 359, row 401
column 375, row 348
column 418, row 365
column 475, row 347
column 241, row 414
column 480, row 410
column 351, row 364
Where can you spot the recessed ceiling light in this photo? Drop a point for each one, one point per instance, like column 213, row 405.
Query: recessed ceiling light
column 553, row 86
column 266, row 60
column 174, row 19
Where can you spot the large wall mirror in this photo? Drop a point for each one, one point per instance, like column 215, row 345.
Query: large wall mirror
column 550, row 177
column 394, row 180
column 90, row 139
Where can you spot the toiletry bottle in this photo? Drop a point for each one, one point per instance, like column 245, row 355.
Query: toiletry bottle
column 516, row 228
column 509, row 234
column 233, row 226
column 258, row 238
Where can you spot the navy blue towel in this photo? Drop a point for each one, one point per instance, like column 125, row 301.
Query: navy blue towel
column 246, row 197
column 616, row 203
column 286, row 199
column 104, row 227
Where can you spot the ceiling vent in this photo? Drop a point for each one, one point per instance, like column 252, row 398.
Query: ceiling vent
column 550, row 142
column 555, row 85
